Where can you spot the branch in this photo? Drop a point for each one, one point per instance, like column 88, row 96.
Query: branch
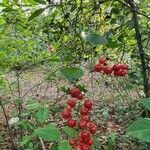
column 133, row 9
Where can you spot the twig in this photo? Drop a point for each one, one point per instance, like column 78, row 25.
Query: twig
column 42, row 144
column 133, row 9
column 127, row 121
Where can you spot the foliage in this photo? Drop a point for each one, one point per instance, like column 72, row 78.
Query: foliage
column 61, row 38
column 141, row 128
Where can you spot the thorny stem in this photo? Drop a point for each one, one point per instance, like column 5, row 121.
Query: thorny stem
column 8, row 127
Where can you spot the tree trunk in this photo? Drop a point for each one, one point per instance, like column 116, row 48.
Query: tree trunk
column 140, row 48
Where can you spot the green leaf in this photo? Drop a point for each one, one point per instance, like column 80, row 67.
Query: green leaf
column 94, row 38
column 70, row 132
column 54, row 147
column 8, row 9
column 96, row 145
column 25, row 139
column 72, row 73
column 40, row 1
column 42, row 114
column 145, row 102
column 48, row 133
column 55, row 109
column 140, row 129
column 33, row 106
column 36, row 13
column 18, row 101
column 64, row 145
column 111, row 140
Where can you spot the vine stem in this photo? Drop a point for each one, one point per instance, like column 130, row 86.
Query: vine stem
column 7, row 124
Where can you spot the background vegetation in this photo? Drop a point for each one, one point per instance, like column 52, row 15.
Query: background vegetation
column 39, row 39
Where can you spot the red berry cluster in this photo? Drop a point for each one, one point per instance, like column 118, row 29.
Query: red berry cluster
column 83, row 124
column 116, row 69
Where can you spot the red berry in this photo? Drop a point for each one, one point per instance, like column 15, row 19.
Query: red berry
column 89, row 142
column 72, row 102
column 115, row 67
column 123, row 66
column 66, row 114
column 78, row 147
column 84, row 111
column 80, row 140
column 92, row 128
column 122, row 72
column 88, row 104
column 86, row 118
column 107, row 70
column 71, row 123
column 102, row 60
column 85, row 135
column 86, row 147
column 80, row 96
column 97, row 68
column 116, row 73
column 75, row 92
column 72, row 142
column 82, row 124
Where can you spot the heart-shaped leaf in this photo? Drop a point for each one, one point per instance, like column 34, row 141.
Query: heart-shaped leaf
column 72, row 73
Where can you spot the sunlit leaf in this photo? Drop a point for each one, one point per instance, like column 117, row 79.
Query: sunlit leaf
column 94, row 38
column 36, row 14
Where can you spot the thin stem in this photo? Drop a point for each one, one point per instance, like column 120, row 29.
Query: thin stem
column 42, row 144
column 121, row 85
column 114, row 85
column 19, row 92
column 7, row 124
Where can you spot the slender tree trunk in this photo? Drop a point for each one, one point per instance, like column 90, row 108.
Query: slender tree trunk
column 140, row 48
column 7, row 124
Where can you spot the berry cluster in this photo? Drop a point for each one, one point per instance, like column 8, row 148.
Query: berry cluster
column 83, row 124
column 116, row 69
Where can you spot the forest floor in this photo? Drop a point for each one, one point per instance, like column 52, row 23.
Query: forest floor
column 114, row 107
